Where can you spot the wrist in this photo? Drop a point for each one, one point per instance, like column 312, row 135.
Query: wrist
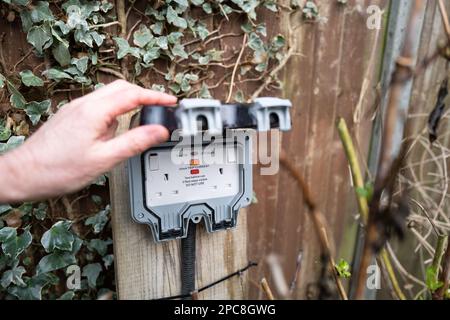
column 12, row 173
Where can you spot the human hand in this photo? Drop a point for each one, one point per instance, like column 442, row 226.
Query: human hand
column 78, row 144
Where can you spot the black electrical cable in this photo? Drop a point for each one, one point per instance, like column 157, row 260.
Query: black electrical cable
column 231, row 275
column 188, row 263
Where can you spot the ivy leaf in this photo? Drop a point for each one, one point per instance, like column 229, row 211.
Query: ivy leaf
column 67, row 296
column 174, row 19
column 61, row 53
column 183, row 3
column 178, row 50
column 204, row 92
column 99, row 246
column 239, row 97
column 174, row 37
column 255, row 42
column 18, row 2
column 13, row 276
column 13, row 142
column 261, row 29
column 17, row 99
column 158, row 87
column 175, row 87
column 97, row 37
column 142, row 36
column 197, row 2
column 157, row 28
column 58, row 237
column 99, row 220
column 271, row 5
column 108, row 260
column 41, row 211
column 56, row 74
column 55, row 261
column 5, row 133
column 151, row 54
column 100, row 181
column 2, row 81
column 35, row 110
column 92, row 271
column 106, row 6
column 7, row 233
column 83, row 36
column 41, row 12
column 34, row 286
column 81, row 64
column 40, row 38
column 277, row 43
column 124, row 48
column 202, row 31
column 64, row 28
column 30, row 80
column 207, row 8
column 4, row 208
column 162, row 42
column 15, row 245
column 76, row 19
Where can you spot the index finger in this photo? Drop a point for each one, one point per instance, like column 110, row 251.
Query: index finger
column 121, row 97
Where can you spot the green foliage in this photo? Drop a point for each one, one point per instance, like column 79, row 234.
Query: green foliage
column 366, row 192
column 99, row 220
column 310, row 11
column 30, row 80
column 58, row 237
column 13, row 142
column 343, row 269
column 92, row 271
column 432, row 281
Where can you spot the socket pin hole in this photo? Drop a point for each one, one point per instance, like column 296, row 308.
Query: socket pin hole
column 274, row 120
column 202, row 123
column 166, row 177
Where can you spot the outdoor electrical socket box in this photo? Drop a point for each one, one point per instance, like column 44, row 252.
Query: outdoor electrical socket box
column 204, row 171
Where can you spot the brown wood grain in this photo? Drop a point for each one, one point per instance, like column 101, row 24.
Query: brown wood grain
column 324, row 83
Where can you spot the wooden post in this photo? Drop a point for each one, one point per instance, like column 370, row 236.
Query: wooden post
column 146, row 270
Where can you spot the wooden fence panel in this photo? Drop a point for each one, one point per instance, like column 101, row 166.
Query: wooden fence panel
column 324, row 82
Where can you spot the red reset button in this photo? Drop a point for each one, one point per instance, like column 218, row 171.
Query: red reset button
column 195, row 171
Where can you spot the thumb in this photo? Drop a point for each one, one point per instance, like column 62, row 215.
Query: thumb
column 136, row 141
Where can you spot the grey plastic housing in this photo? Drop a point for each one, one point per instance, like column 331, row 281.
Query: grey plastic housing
column 261, row 112
column 167, row 205
column 263, row 108
column 189, row 111
column 171, row 221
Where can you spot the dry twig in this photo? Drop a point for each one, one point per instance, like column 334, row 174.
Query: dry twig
column 389, row 162
column 318, row 220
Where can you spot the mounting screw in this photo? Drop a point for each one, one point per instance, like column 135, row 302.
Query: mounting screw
column 140, row 215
